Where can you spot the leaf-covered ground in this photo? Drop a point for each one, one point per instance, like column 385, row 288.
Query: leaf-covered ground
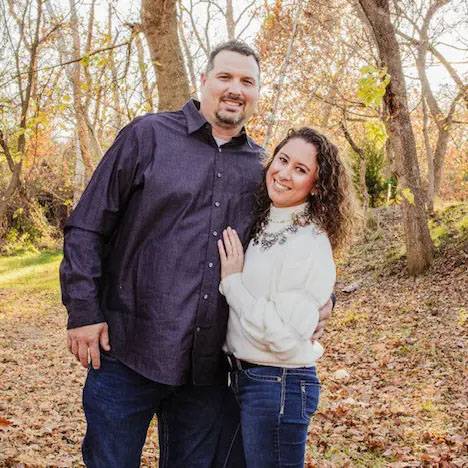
column 393, row 375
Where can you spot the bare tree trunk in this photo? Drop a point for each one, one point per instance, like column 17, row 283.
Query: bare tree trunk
column 230, row 23
column 75, row 75
column 442, row 122
column 79, row 176
column 442, row 144
column 430, row 160
column 188, row 58
column 15, row 179
column 159, row 21
column 25, row 96
column 419, row 247
column 278, row 87
column 115, row 79
column 147, row 92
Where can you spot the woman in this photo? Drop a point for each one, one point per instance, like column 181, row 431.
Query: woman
column 276, row 292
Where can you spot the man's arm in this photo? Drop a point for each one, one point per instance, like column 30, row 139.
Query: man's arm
column 324, row 316
column 89, row 227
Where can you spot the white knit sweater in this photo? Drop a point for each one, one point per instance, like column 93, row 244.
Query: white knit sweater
column 274, row 303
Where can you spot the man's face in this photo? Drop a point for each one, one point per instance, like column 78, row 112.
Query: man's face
column 229, row 92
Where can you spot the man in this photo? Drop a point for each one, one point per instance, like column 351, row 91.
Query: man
column 140, row 272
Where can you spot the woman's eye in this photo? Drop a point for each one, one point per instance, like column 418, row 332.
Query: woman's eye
column 299, row 169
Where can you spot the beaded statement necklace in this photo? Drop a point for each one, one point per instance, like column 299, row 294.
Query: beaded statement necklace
column 269, row 239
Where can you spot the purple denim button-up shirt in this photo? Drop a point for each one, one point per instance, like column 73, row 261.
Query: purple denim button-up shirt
column 140, row 248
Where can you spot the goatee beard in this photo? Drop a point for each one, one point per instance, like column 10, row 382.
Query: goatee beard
column 228, row 121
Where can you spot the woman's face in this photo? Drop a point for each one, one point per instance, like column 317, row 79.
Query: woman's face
column 292, row 174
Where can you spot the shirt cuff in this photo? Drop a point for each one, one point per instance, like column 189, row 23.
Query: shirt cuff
column 226, row 285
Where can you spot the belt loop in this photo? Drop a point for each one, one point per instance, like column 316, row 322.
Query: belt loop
column 234, row 363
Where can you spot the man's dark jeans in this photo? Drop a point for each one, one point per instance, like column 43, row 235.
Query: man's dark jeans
column 119, row 404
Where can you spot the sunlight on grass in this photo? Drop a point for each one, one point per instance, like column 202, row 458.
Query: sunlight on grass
column 31, row 272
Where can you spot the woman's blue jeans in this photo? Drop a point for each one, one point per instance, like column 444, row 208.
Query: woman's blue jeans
column 276, row 406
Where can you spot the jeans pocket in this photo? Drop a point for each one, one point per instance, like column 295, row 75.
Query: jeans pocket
column 106, row 356
column 310, row 393
column 264, row 374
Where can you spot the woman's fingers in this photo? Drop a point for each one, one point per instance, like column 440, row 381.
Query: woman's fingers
column 238, row 243
column 237, row 247
column 227, row 243
column 222, row 252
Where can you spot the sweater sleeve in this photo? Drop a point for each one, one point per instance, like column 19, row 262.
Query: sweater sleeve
column 286, row 318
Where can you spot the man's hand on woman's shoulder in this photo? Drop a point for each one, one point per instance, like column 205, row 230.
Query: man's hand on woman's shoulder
column 324, row 315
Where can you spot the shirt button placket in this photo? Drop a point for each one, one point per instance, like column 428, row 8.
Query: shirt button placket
column 216, row 218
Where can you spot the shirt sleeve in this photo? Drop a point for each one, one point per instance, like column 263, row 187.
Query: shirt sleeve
column 93, row 222
column 289, row 316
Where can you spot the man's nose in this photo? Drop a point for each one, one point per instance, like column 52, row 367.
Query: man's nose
column 234, row 87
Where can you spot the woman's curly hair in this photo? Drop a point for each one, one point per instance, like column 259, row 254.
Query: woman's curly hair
column 331, row 205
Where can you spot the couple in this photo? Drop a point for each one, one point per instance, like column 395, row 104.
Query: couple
column 169, row 209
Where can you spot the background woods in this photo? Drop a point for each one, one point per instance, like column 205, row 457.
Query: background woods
column 385, row 79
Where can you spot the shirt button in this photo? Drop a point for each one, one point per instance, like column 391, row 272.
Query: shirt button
column 198, row 330
column 217, row 203
column 215, row 233
column 219, row 175
column 205, row 297
column 210, row 264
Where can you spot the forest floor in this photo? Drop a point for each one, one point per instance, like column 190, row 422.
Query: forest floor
column 393, row 375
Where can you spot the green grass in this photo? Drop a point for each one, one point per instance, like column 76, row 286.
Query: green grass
column 31, row 272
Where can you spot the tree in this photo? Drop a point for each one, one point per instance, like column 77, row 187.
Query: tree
column 159, row 23
column 27, row 37
column 419, row 247
column 443, row 120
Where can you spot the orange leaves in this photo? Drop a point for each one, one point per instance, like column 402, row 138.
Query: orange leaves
column 4, row 422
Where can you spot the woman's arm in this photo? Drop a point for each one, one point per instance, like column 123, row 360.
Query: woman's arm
column 286, row 319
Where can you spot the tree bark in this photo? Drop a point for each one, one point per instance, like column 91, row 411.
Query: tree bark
column 26, row 93
column 75, row 76
column 159, row 21
column 419, row 247
column 230, row 23
column 115, row 79
column 430, row 160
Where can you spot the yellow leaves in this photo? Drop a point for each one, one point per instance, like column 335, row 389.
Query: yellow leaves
column 372, row 85
column 404, row 194
column 462, row 317
column 351, row 317
column 428, row 406
column 376, row 132
column 408, row 195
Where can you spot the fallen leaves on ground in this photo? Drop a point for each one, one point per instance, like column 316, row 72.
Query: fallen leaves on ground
column 393, row 373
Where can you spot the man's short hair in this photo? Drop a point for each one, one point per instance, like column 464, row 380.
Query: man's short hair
column 232, row 46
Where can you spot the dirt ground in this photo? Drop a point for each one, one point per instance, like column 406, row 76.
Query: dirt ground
column 393, row 376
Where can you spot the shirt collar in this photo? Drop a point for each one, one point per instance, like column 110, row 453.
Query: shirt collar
column 196, row 122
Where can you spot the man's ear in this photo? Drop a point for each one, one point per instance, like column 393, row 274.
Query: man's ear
column 203, row 79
